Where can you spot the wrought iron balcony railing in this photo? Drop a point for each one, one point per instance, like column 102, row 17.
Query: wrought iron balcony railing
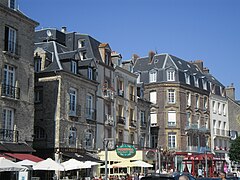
column 8, row 135
column 10, row 91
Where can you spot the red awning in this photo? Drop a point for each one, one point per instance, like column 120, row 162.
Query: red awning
column 24, row 156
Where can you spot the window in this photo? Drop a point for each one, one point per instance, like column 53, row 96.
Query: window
column 89, row 107
column 74, row 67
column 153, row 97
column 138, row 77
column 37, row 64
column 187, row 78
column 39, row 133
column 83, row 55
column 120, row 136
column 170, row 75
column 188, row 99
column 89, row 139
column 73, row 101
column 10, row 39
column 206, row 122
column 219, row 108
column 153, row 117
column 224, row 109
column 132, row 138
column 205, row 103
column 72, row 138
column 188, row 121
column 12, row 4
column 197, row 101
column 171, row 118
column 204, row 82
column 171, row 140
column 214, row 107
column 8, row 117
column 90, row 73
column 171, row 96
column 81, row 43
column 142, row 116
column 142, row 140
column 153, row 76
column 37, row 96
column 8, row 86
column 198, row 120
column 196, row 81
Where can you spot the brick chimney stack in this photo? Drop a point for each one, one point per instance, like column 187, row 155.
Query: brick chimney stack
column 199, row 64
column 230, row 91
column 150, row 56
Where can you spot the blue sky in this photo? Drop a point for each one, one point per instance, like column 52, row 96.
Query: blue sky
column 207, row 30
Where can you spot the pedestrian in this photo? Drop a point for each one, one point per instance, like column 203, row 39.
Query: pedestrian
column 222, row 175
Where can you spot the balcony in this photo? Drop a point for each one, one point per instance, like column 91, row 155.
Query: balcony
column 120, row 92
column 132, row 97
column 10, row 91
column 195, row 127
column 8, row 135
column 90, row 114
column 121, row 120
column 12, row 48
column 133, row 123
column 220, row 132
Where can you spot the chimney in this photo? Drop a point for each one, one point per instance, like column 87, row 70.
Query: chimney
column 199, row 63
column 150, row 56
column 205, row 70
column 230, row 91
column 134, row 58
column 64, row 29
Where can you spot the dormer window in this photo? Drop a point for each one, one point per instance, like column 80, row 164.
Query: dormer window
column 12, row 4
column 170, row 75
column 90, row 73
column 196, row 81
column 37, row 64
column 187, row 78
column 204, row 82
column 83, row 55
column 153, row 76
column 138, row 77
column 74, row 67
column 81, row 43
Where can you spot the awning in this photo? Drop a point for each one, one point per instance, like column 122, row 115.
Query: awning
column 82, row 157
column 16, row 147
column 21, row 157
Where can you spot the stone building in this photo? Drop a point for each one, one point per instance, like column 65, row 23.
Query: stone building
column 180, row 117
column 17, row 79
column 65, row 97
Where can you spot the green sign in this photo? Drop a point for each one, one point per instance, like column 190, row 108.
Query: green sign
column 126, row 151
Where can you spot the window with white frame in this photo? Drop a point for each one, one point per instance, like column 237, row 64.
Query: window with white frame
column 187, row 78
column 12, row 4
column 214, row 107
column 172, row 140
column 90, row 73
column 171, row 118
column 89, row 139
column 39, row 133
column 153, row 118
column 72, row 101
column 153, row 97
column 37, row 64
column 206, row 122
column 197, row 101
column 72, row 136
column 196, row 81
column 8, row 118
column 138, row 77
column 219, row 108
column 74, row 67
column 152, row 76
column 8, row 87
column 188, row 121
column 83, row 55
column 10, row 39
column 188, row 99
column 170, row 75
column 224, row 109
column 171, row 96
column 198, row 120
column 81, row 43
column 89, row 107
column 224, row 129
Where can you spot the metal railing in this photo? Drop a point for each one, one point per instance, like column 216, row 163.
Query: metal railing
column 10, row 91
column 8, row 135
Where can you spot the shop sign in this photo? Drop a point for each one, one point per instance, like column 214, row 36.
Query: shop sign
column 126, row 151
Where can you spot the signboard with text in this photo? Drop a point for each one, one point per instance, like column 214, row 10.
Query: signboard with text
column 126, row 151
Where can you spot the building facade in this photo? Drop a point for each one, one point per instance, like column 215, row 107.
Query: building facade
column 17, row 79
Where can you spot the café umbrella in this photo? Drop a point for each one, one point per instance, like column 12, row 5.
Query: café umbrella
column 73, row 164
column 48, row 165
column 7, row 165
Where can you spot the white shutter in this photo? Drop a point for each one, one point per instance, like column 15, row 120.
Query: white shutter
column 153, row 97
column 153, row 118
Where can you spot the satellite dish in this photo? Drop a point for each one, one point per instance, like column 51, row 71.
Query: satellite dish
column 49, row 33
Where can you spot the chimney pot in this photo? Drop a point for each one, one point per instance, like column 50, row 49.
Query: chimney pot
column 64, row 29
